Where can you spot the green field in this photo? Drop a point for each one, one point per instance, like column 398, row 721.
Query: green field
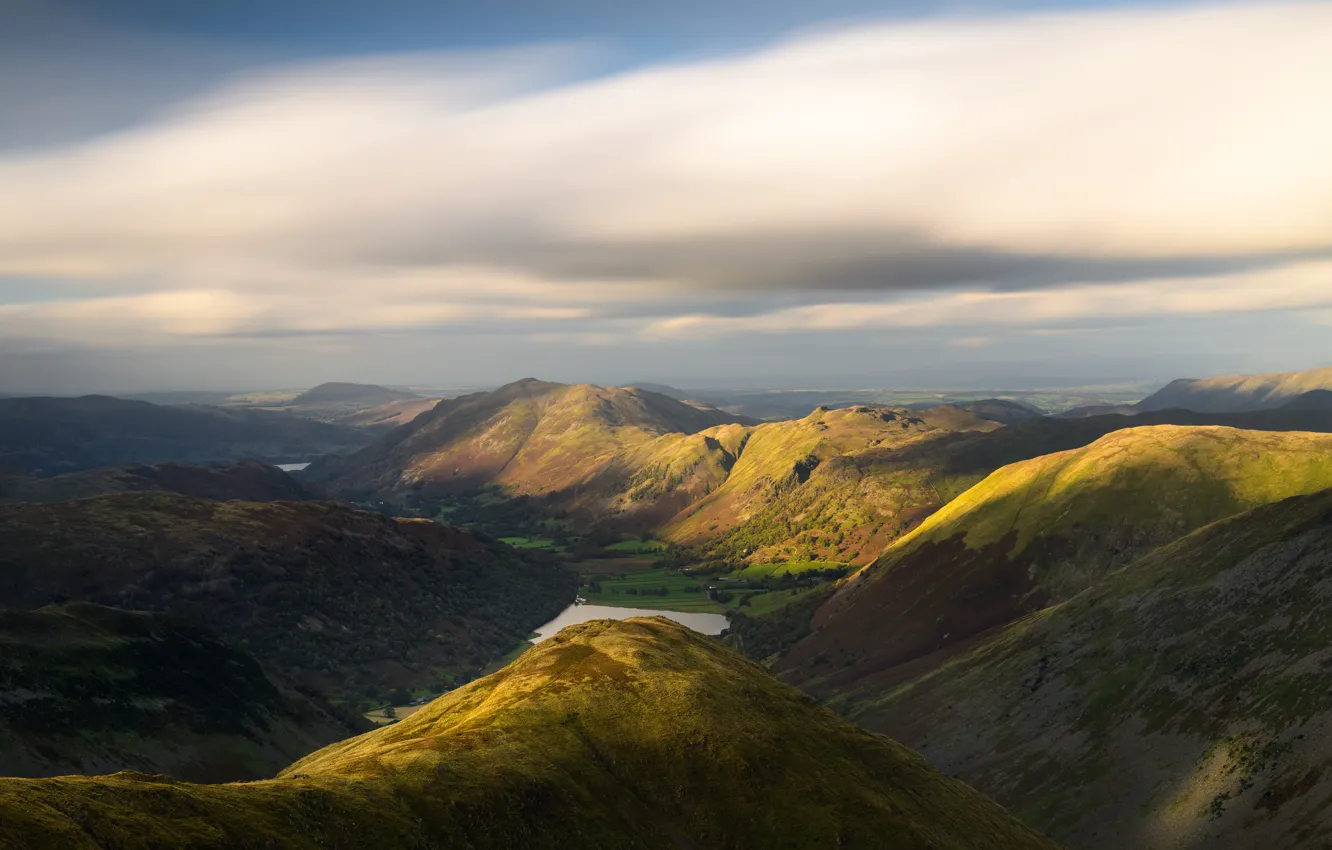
column 757, row 571
column 615, row 591
column 766, row 603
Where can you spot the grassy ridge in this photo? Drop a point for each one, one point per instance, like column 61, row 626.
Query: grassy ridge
column 612, row 734
column 1039, row 532
column 1187, row 696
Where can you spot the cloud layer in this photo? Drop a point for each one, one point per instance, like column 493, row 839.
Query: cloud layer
column 1034, row 170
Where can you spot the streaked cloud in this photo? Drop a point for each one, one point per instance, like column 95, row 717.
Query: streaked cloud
column 1023, row 170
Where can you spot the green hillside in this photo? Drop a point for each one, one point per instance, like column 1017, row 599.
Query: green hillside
column 1040, row 531
column 350, row 602
column 87, row 689
column 1180, row 703
column 637, row 733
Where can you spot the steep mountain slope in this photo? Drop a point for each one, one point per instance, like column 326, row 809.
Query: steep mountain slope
column 248, row 480
column 1232, row 393
column 47, row 436
column 1040, row 531
column 803, row 489
column 637, row 733
column 530, row 437
column 1184, row 702
column 852, row 506
column 348, row 601
column 87, row 689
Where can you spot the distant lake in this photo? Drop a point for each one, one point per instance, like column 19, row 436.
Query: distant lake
column 708, row 624
column 292, row 467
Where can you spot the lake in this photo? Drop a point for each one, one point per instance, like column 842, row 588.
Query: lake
column 708, row 624
column 292, row 467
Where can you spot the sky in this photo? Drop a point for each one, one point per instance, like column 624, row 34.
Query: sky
column 257, row 194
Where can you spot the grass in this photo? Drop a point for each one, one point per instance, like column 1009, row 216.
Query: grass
column 773, row 600
column 615, row 591
column 1214, row 639
column 758, row 571
column 1176, row 475
column 611, row 734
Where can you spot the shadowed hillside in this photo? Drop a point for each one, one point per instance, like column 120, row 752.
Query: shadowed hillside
column 1040, row 531
column 1233, row 393
column 349, row 601
column 1312, row 400
column 87, row 689
column 249, row 481
column 1183, row 702
column 637, row 733
column 48, row 436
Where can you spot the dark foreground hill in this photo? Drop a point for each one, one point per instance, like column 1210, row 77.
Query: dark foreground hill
column 625, row 734
column 248, row 480
column 48, row 436
column 1184, row 702
column 87, row 689
column 348, row 601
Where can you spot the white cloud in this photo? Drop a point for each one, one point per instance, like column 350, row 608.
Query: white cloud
column 406, row 193
column 1295, row 287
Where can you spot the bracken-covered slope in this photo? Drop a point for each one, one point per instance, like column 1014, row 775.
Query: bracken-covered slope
column 1185, row 702
column 630, row 734
column 1040, row 531
column 1233, row 393
column 88, row 689
column 48, row 436
column 247, row 480
column 350, row 601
